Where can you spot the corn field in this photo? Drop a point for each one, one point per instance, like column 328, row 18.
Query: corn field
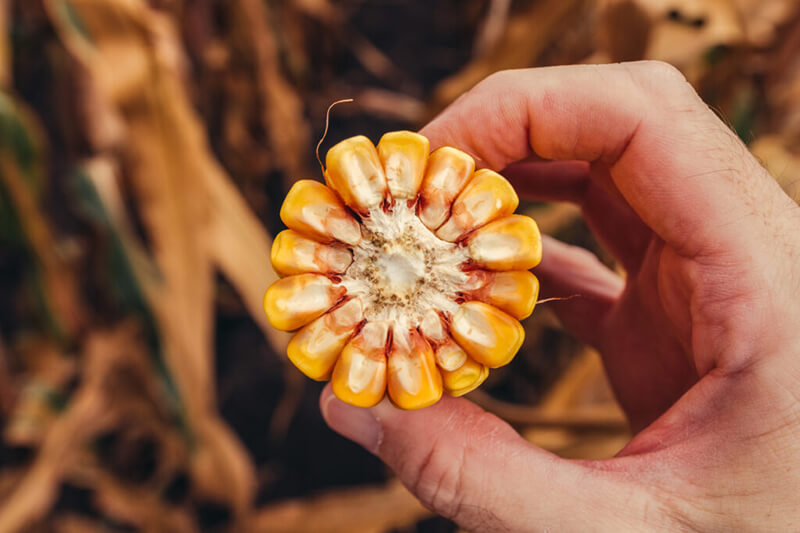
column 146, row 147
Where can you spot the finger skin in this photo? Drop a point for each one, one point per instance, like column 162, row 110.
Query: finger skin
column 469, row 466
column 667, row 152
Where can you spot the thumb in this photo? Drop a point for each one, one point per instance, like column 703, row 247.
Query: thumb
column 471, row 467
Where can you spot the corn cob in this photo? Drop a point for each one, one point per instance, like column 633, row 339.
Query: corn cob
column 407, row 274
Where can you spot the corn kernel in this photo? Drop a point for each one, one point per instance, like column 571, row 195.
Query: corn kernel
column 293, row 302
column 510, row 243
column 488, row 335
column 294, row 254
column 314, row 210
column 413, row 381
column 514, row 291
column 315, row 348
column 432, row 327
column 354, row 170
column 447, row 173
column 359, row 377
column 450, row 356
column 465, row 378
column 487, row 196
column 404, row 155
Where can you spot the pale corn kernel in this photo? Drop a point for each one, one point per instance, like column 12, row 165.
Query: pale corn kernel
column 404, row 155
column 432, row 327
column 514, row 291
column 359, row 376
column 413, row 379
column 449, row 355
column 292, row 253
column 510, row 243
column 447, row 173
column 447, row 317
column 354, row 170
column 316, row 347
column 465, row 378
column 488, row 335
column 294, row 301
column 314, row 210
column 486, row 197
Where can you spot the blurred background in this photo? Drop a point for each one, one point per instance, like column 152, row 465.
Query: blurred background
column 145, row 148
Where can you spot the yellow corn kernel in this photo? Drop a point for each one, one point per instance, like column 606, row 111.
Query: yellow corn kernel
column 414, row 381
column 514, row 291
column 359, row 377
column 354, row 170
column 314, row 210
column 294, row 254
column 293, row 302
column 449, row 355
column 465, row 378
column 315, row 348
column 487, row 196
column 510, row 243
column 488, row 335
column 404, row 155
column 447, row 173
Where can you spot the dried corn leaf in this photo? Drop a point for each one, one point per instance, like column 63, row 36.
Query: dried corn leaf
column 139, row 507
column 366, row 510
column 525, row 38
column 281, row 107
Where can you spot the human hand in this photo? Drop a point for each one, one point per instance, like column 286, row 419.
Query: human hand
column 701, row 340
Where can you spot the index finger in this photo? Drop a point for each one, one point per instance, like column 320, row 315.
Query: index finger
column 679, row 167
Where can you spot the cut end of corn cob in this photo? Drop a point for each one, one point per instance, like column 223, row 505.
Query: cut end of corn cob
column 417, row 289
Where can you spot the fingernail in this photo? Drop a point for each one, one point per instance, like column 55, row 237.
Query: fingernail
column 355, row 423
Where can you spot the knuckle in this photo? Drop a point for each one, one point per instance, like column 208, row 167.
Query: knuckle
column 442, row 479
column 498, row 79
column 438, row 480
column 660, row 70
column 660, row 79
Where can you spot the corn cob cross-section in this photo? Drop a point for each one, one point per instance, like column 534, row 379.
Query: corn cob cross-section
column 407, row 273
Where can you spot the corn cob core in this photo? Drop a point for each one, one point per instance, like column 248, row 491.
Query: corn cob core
column 400, row 268
column 407, row 274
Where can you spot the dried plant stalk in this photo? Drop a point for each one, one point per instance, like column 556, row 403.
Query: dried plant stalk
column 170, row 163
column 281, row 107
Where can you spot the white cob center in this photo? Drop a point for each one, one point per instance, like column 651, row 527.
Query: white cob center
column 401, row 269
